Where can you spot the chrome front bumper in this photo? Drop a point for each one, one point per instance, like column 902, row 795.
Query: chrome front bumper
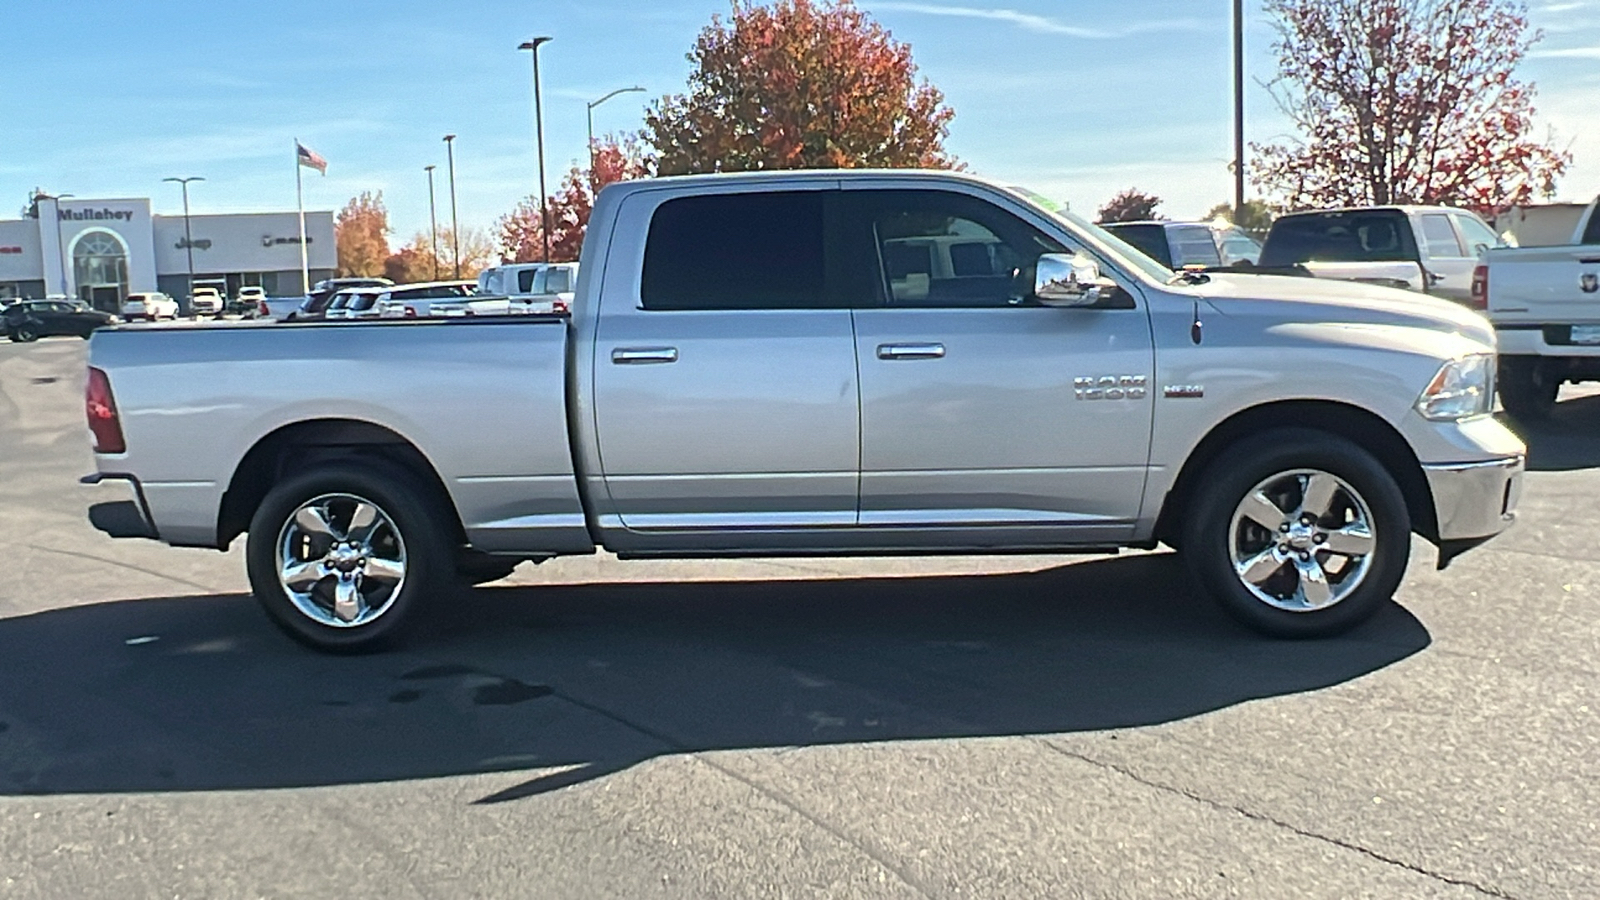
column 1475, row 501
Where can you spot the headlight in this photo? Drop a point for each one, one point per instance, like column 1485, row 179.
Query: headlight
column 1462, row 389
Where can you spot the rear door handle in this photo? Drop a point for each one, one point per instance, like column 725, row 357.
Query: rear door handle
column 642, row 356
column 910, row 351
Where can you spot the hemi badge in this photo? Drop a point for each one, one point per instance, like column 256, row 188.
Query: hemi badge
column 1184, row 391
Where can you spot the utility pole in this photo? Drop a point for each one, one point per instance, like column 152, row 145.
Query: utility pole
column 1238, row 111
column 538, row 127
column 188, row 236
column 455, row 226
column 433, row 221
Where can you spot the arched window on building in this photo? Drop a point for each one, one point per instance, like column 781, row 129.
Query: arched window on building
column 100, row 268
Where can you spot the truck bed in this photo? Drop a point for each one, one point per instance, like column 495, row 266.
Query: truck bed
column 486, row 407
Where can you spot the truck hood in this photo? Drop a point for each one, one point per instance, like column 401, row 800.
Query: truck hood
column 1346, row 302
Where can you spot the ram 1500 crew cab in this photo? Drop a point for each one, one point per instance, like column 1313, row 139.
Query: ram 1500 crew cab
column 760, row 365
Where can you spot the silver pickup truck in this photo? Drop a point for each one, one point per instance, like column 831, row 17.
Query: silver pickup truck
column 823, row 363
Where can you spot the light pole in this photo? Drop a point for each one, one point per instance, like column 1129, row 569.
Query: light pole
column 61, row 252
column 1238, row 111
column 455, row 228
column 188, row 238
column 538, row 128
column 626, row 90
column 433, row 222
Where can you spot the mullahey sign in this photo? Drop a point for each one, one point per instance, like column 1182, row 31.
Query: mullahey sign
column 96, row 215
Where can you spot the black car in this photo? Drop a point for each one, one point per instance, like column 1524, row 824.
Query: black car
column 315, row 307
column 34, row 319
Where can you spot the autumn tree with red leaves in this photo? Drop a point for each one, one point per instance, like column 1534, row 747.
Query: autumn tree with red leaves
column 1132, row 205
column 521, row 232
column 799, row 84
column 1405, row 101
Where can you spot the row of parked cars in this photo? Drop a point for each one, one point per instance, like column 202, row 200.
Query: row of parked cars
column 512, row 289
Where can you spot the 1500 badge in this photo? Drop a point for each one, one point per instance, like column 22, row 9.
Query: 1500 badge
column 1110, row 387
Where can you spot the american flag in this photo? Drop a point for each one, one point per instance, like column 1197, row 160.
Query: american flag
column 309, row 158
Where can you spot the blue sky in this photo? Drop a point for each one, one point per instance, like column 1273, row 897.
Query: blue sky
column 1075, row 98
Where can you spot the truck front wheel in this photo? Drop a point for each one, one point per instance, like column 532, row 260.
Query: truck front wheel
column 1298, row 533
column 1528, row 387
column 342, row 557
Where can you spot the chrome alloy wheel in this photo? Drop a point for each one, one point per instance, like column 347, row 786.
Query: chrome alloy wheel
column 1302, row 540
column 341, row 561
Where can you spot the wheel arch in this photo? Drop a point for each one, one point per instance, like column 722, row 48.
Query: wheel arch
column 307, row 443
column 1367, row 430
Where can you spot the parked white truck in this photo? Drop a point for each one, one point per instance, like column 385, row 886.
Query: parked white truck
column 764, row 365
column 1545, row 305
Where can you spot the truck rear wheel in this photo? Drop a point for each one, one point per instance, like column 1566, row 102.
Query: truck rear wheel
column 1528, row 387
column 1298, row 533
column 343, row 558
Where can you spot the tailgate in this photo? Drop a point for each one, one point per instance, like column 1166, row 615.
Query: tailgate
column 1545, row 285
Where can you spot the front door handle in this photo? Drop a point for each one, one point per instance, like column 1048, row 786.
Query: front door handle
column 910, row 351
column 640, row 356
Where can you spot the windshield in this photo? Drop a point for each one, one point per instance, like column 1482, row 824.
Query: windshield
column 1099, row 239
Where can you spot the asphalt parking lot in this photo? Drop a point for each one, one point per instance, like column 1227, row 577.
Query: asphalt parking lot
column 1017, row 727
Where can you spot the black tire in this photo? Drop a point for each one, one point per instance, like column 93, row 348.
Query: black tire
column 24, row 334
column 1527, row 387
column 428, row 556
column 1209, row 534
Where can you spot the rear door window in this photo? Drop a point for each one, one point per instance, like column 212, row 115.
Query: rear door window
column 525, row 279
column 1441, row 238
column 737, row 251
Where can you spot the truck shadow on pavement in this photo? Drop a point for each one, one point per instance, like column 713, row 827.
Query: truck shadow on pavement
column 1568, row 440
column 572, row 682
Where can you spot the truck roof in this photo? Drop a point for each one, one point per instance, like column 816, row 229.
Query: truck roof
column 802, row 176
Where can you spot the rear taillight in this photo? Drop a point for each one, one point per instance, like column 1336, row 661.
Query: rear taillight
column 102, row 413
column 1480, row 288
column 261, row 309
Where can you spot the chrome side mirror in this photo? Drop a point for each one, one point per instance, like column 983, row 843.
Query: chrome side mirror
column 1064, row 280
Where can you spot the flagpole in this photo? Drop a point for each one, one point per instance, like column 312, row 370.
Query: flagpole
column 300, row 204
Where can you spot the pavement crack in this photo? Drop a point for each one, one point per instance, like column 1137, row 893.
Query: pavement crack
column 113, row 562
column 789, row 803
column 1254, row 816
column 777, row 796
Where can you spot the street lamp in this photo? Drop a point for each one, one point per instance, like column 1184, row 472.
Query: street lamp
column 433, row 222
column 61, row 253
column 1238, row 111
column 188, row 237
column 538, row 127
column 626, row 90
column 455, row 227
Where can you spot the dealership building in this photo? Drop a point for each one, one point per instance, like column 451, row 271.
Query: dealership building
column 102, row 250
